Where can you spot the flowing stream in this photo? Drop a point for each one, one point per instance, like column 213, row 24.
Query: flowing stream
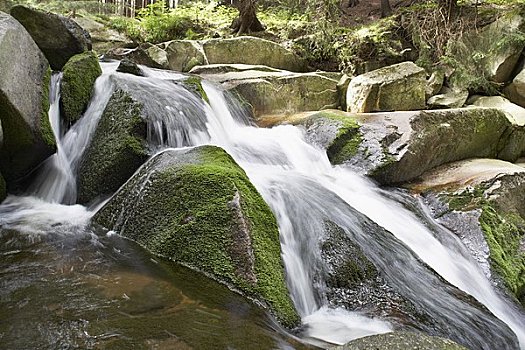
column 303, row 190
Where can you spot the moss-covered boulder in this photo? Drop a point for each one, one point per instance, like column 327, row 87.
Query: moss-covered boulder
column 57, row 36
column 183, row 55
column 483, row 202
column 398, row 147
column 118, row 148
column 489, row 54
column 271, row 91
column 334, row 131
column 400, row 87
column 24, row 102
column 254, row 51
column 197, row 207
column 80, row 73
column 401, row 341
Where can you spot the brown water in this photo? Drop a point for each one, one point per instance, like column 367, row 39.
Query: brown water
column 86, row 291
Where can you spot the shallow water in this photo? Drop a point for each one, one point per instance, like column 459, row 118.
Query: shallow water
column 65, row 286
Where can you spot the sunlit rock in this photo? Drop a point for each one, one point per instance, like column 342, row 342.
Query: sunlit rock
column 448, row 98
column 272, row 91
column 400, row 87
column 252, row 50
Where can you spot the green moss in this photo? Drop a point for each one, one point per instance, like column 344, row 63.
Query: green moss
column 503, row 232
column 80, row 73
column 45, row 125
column 199, row 208
column 347, row 139
column 347, row 142
column 117, row 150
column 194, row 83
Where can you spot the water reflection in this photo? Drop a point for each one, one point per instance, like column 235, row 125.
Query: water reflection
column 87, row 290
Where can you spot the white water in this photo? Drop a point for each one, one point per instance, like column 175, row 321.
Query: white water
column 56, row 182
column 294, row 177
column 282, row 152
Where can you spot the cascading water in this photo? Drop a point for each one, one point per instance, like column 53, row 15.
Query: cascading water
column 303, row 190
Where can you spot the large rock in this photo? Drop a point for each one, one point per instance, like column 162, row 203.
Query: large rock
column 483, row 202
column 254, row 51
column 503, row 51
column 103, row 38
column 58, row 37
column 515, row 91
column 448, row 98
column 80, row 73
column 140, row 116
column 118, row 148
column 491, row 53
column 270, row 91
column 400, row 87
column 398, row 147
column 401, row 341
column 146, row 54
column 515, row 113
column 197, row 207
column 24, row 102
column 367, row 270
column 183, row 55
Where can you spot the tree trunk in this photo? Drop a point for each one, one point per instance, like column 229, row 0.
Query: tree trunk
column 386, row 10
column 247, row 21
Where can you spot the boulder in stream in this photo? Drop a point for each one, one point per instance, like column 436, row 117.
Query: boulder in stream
column 399, row 146
column 197, row 207
column 400, row 341
column 118, row 148
column 483, row 202
column 80, row 73
column 59, row 37
column 268, row 91
column 24, row 102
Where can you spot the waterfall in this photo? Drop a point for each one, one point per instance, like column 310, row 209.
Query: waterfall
column 56, row 181
column 303, row 190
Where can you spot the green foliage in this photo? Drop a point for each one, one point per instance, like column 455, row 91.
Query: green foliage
column 157, row 24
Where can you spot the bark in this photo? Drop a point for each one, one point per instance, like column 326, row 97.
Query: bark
column 386, row 10
column 247, row 21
